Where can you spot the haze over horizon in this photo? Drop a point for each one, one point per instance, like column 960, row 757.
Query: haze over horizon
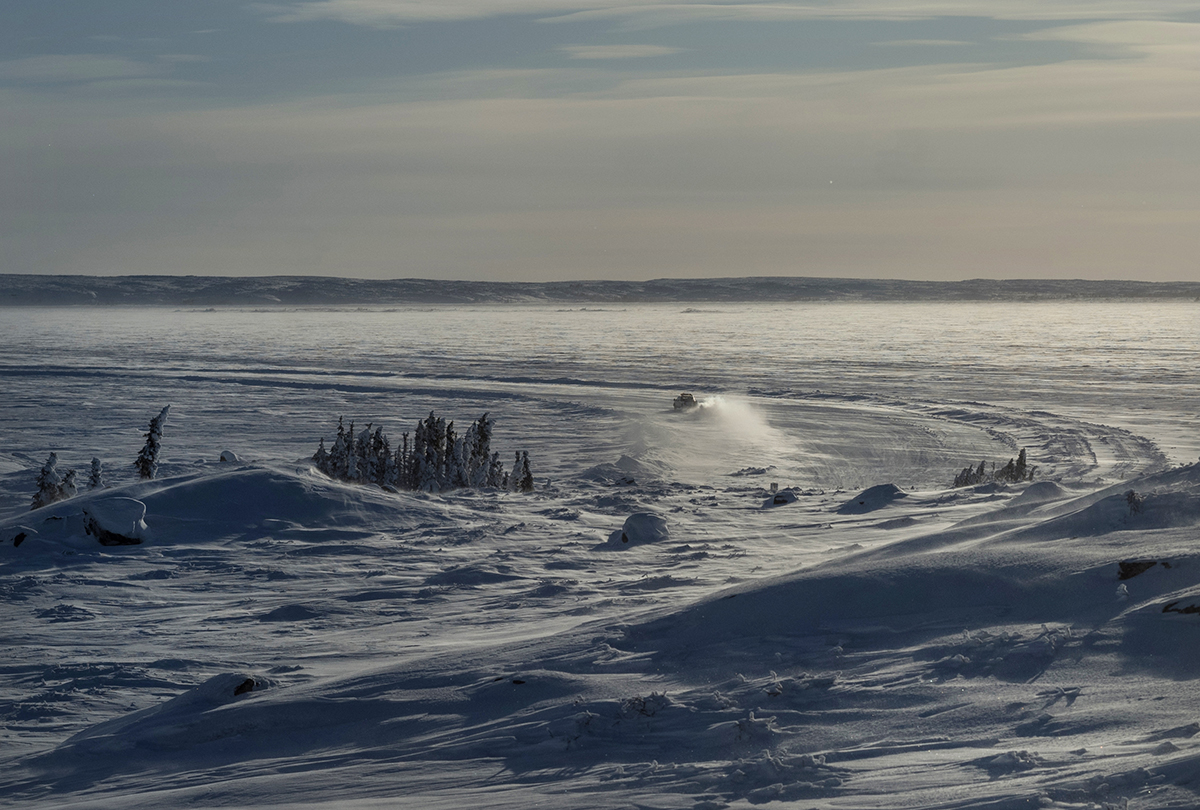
column 537, row 140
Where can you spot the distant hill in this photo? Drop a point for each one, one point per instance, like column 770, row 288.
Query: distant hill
column 196, row 291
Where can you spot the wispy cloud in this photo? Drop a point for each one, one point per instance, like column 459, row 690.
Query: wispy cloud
column 923, row 43
column 660, row 12
column 617, row 51
column 73, row 68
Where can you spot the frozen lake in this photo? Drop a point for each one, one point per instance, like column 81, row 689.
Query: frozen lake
column 948, row 648
column 271, row 382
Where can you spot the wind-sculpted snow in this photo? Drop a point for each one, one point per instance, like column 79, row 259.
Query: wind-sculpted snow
column 995, row 660
column 281, row 639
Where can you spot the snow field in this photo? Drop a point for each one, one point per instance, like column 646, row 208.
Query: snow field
column 983, row 647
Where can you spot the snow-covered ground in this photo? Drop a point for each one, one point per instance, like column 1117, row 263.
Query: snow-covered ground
column 282, row 639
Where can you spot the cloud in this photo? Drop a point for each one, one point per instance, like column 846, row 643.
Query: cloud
column 648, row 13
column 1081, row 167
column 923, row 43
column 617, row 51
column 50, row 69
column 183, row 58
column 1174, row 42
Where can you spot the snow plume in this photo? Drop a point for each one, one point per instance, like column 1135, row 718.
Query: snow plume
column 741, row 419
column 723, row 434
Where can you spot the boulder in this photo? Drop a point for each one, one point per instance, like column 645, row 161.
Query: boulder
column 781, row 497
column 23, row 534
column 230, row 456
column 115, row 521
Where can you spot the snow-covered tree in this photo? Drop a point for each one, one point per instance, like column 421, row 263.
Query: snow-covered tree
column 69, row 486
column 404, row 479
column 364, row 456
column 147, row 460
column 49, row 484
column 1015, row 471
column 96, row 475
column 496, row 477
column 478, row 446
column 339, row 454
column 351, row 471
column 525, row 481
column 320, row 458
column 514, row 478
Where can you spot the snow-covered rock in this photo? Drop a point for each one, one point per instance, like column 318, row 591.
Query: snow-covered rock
column 22, row 534
column 1040, row 492
column 116, row 521
column 640, row 528
column 625, row 471
column 871, row 499
column 781, row 498
column 230, row 456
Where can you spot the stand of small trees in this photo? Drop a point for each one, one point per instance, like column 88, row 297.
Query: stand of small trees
column 51, row 487
column 436, row 459
column 1015, row 471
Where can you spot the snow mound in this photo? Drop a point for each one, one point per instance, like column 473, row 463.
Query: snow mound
column 876, row 497
column 229, row 456
column 189, row 719
column 1039, row 493
column 289, row 503
column 623, row 471
column 640, row 528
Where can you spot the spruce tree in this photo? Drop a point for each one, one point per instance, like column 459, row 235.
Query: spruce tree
column 496, row 477
column 48, row 484
column 320, row 458
column 513, row 481
column 351, row 471
column 404, row 476
column 526, row 482
column 365, row 456
column 68, row 487
column 1021, row 471
column 382, row 451
column 481, row 452
column 96, row 475
column 147, row 460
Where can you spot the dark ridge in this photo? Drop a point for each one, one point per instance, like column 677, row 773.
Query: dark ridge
column 308, row 291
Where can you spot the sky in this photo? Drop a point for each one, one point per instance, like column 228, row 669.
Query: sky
column 626, row 139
